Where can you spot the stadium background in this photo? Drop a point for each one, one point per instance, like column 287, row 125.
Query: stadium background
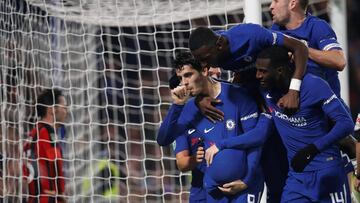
column 115, row 75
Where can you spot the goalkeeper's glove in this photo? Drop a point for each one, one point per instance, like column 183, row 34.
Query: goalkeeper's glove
column 303, row 157
column 174, row 81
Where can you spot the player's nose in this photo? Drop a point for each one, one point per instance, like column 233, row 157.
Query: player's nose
column 259, row 75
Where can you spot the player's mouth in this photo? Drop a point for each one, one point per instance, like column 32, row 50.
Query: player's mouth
column 263, row 83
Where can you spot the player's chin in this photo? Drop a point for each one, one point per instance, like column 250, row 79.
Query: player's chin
column 264, row 85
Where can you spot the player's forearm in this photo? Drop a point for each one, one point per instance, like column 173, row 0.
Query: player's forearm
column 343, row 127
column 334, row 59
column 300, row 52
column 253, row 159
column 166, row 133
column 186, row 163
column 252, row 138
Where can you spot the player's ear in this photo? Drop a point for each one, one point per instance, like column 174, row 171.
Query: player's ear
column 293, row 4
column 280, row 70
column 205, row 71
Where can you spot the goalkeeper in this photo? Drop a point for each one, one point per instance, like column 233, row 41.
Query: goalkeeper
column 43, row 164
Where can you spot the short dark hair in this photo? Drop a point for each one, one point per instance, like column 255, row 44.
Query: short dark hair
column 202, row 36
column 47, row 98
column 278, row 56
column 186, row 58
column 304, row 4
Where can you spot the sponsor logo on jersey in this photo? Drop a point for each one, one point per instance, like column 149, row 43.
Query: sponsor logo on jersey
column 294, row 121
column 247, row 117
column 330, row 99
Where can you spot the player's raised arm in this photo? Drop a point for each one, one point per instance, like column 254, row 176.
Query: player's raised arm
column 290, row 101
column 168, row 128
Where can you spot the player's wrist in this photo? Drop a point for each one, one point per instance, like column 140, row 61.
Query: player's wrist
column 295, row 84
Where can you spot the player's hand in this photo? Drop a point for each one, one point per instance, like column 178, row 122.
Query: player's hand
column 289, row 102
column 233, row 187
column 206, row 105
column 180, row 95
column 303, row 157
column 357, row 184
column 200, row 154
column 210, row 153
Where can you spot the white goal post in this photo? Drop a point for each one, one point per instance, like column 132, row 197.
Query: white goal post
column 112, row 60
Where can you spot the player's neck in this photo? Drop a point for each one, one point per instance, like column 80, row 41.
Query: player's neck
column 296, row 20
column 213, row 87
column 48, row 121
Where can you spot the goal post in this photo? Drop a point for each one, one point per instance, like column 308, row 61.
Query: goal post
column 112, row 59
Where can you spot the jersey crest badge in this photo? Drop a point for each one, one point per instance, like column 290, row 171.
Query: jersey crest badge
column 230, row 124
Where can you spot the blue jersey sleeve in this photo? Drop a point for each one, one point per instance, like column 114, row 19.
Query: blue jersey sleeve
column 248, row 118
column 267, row 37
column 176, row 122
column 334, row 109
column 325, row 36
column 253, row 159
column 252, row 138
column 181, row 143
column 165, row 135
column 248, row 112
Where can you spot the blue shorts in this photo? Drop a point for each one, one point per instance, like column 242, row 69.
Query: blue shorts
column 325, row 185
column 348, row 166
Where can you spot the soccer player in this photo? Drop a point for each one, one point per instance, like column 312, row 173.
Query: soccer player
column 240, row 116
column 190, row 152
column 326, row 56
column 236, row 49
column 43, row 164
column 316, row 173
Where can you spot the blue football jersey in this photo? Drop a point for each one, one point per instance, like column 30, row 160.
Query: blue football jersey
column 190, row 141
column 241, row 115
column 246, row 41
column 317, row 34
column 310, row 124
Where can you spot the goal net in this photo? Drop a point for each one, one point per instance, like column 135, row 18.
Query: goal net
column 112, row 59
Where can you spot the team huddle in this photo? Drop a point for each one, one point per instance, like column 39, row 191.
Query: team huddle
column 279, row 122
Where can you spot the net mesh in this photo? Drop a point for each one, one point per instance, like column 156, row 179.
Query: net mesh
column 112, row 60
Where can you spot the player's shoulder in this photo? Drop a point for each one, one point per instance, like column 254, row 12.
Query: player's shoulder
column 312, row 83
column 236, row 94
column 231, row 88
column 316, row 22
column 246, row 28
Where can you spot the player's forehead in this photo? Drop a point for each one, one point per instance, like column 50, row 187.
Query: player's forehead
column 202, row 51
column 262, row 63
column 184, row 69
column 281, row 1
column 62, row 101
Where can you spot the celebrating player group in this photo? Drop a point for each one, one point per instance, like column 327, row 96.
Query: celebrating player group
column 281, row 121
